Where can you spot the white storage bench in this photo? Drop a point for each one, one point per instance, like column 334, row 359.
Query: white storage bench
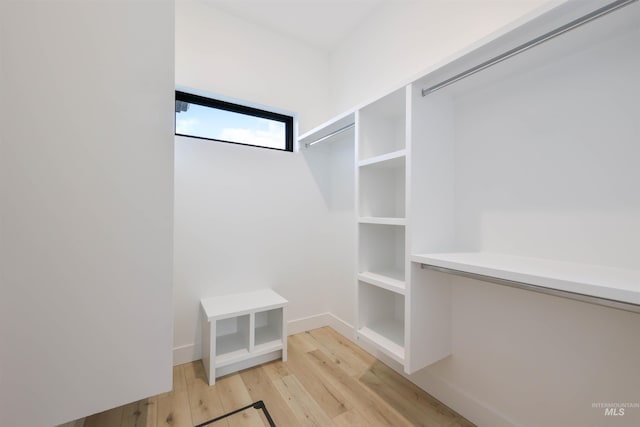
column 242, row 330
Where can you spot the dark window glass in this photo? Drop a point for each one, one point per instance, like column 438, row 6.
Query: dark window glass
column 216, row 120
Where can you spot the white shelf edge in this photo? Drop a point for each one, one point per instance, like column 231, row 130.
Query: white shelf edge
column 382, row 220
column 267, row 347
column 593, row 281
column 388, row 347
column 382, row 281
column 226, row 306
column 232, row 356
column 244, row 354
column 383, row 158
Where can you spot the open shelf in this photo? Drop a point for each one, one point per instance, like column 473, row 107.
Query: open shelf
column 389, row 280
column 232, row 336
column 381, row 319
column 388, row 160
column 382, row 126
column 382, row 249
column 584, row 279
column 382, row 189
column 268, row 328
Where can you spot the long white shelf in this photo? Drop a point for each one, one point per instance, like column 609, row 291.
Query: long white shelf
column 608, row 284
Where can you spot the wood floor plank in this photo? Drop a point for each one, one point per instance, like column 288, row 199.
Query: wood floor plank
column 234, row 395
column 276, row 370
column 304, row 341
column 329, row 398
column 351, row 418
column 261, row 387
column 406, row 397
column 307, row 411
column 417, row 412
column 204, row 400
column 110, row 418
column 376, row 410
column 142, row 413
column 173, row 410
column 353, row 359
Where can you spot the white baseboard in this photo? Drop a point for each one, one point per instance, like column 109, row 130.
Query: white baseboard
column 318, row 321
column 187, row 353
column 343, row 328
column 304, row 324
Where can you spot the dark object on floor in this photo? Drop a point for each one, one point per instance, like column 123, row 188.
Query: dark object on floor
column 256, row 405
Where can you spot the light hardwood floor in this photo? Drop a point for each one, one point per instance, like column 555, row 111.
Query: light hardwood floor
column 327, row 381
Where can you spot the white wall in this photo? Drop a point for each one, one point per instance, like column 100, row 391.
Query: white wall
column 245, row 217
column 249, row 218
column 86, row 206
column 400, row 40
column 222, row 54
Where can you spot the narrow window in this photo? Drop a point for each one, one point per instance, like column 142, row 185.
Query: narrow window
column 216, row 120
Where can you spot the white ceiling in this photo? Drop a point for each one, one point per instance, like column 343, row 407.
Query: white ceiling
column 320, row 23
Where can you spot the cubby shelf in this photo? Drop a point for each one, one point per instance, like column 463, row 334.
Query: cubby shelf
column 382, row 250
column 387, row 160
column 389, row 280
column 242, row 330
column 383, row 127
column 378, row 334
column 381, row 319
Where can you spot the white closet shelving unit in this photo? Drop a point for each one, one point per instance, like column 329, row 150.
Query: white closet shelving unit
column 381, row 182
column 520, row 170
column 523, row 172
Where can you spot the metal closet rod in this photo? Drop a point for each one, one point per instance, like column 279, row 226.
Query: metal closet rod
column 532, row 43
column 620, row 305
column 334, row 133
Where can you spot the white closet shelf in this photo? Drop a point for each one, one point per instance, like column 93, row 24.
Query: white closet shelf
column 232, row 357
column 387, row 160
column 386, row 337
column 392, row 273
column 391, row 281
column 382, row 220
column 600, row 282
column 231, row 343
